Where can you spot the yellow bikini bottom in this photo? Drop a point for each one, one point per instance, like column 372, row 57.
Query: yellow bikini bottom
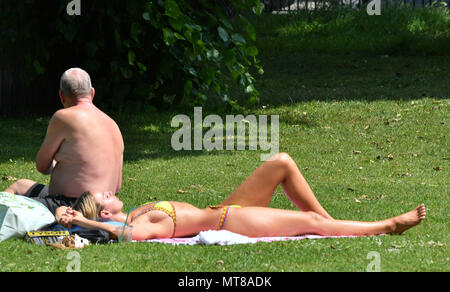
column 224, row 216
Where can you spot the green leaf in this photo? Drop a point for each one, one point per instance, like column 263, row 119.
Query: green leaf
column 235, row 106
column 193, row 27
column 260, row 71
column 225, row 22
column 192, row 71
column 178, row 36
column 117, row 39
column 258, row 8
column 168, row 36
column 251, row 31
column 141, row 67
column 238, row 39
column 187, row 87
column 251, row 51
column 212, row 54
column 38, row 68
column 223, row 34
column 176, row 23
column 172, row 9
column 253, row 100
column 250, row 88
column 134, row 31
column 146, row 16
column 126, row 73
column 131, row 57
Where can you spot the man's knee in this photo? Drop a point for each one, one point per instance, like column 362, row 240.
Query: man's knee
column 20, row 187
column 23, row 182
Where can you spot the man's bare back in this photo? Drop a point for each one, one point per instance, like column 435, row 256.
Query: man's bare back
column 82, row 150
column 90, row 154
column 83, row 147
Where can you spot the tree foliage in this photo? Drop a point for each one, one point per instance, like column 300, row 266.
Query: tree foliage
column 138, row 52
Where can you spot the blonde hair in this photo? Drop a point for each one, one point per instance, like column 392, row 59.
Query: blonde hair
column 88, row 206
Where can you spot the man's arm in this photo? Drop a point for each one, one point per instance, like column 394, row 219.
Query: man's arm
column 51, row 144
column 119, row 183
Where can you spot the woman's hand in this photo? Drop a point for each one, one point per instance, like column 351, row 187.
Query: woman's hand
column 77, row 217
column 71, row 217
column 74, row 217
column 59, row 213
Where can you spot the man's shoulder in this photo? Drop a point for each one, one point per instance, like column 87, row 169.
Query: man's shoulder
column 65, row 112
column 74, row 114
column 75, row 111
column 60, row 116
column 68, row 116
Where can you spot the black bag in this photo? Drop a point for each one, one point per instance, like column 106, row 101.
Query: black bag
column 95, row 236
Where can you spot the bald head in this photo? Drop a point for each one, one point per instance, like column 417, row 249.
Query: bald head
column 75, row 82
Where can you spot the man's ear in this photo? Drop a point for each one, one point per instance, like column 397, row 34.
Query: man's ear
column 92, row 93
column 61, row 97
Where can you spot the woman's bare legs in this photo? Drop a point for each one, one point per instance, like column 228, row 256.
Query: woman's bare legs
column 395, row 225
column 256, row 222
column 21, row 187
column 258, row 188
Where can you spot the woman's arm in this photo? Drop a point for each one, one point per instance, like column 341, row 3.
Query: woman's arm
column 60, row 218
column 140, row 231
column 77, row 218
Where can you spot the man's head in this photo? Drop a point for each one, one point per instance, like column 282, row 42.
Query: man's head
column 98, row 205
column 75, row 84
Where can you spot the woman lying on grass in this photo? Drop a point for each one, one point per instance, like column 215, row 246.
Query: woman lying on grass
column 245, row 211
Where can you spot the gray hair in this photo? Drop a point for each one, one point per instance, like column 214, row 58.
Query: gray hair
column 75, row 82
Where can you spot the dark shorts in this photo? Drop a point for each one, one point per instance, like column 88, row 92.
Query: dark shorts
column 40, row 194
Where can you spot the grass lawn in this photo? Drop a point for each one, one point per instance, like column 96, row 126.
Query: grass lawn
column 369, row 130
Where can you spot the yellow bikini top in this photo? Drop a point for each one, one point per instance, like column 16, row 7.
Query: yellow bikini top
column 165, row 206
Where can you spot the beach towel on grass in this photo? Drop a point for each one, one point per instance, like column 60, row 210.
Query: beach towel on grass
column 225, row 237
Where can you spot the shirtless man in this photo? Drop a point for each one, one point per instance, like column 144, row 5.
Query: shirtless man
column 82, row 150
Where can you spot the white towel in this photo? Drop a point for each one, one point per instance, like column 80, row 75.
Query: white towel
column 225, row 237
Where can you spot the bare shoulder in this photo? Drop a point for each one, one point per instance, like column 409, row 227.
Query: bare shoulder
column 72, row 115
column 114, row 126
column 60, row 117
column 65, row 114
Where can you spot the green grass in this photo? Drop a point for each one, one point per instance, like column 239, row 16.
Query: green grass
column 341, row 116
column 394, row 32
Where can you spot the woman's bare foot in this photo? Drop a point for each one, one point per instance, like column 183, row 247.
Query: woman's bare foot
column 408, row 220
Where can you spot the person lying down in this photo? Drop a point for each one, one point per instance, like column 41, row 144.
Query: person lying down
column 166, row 219
column 245, row 211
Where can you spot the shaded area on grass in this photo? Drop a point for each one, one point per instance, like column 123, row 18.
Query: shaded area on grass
column 397, row 31
column 348, row 55
column 300, row 78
